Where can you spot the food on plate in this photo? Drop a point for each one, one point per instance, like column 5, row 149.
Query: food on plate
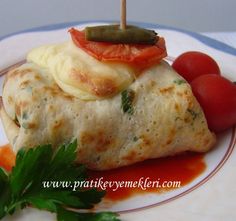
column 39, row 165
column 123, row 105
column 193, row 64
column 217, row 96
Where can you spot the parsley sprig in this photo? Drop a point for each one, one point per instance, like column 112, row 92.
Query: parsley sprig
column 23, row 186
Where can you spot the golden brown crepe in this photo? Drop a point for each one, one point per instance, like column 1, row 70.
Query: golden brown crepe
column 164, row 118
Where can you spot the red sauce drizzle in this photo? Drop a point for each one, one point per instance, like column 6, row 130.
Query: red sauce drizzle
column 184, row 168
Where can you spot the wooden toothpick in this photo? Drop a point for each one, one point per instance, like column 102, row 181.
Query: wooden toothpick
column 123, row 15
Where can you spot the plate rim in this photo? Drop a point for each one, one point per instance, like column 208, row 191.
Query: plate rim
column 213, row 43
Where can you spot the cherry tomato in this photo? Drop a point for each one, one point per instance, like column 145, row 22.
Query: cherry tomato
column 140, row 56
column 193, row 64
column 217, row 97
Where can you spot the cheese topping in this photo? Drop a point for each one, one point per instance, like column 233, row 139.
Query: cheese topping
column 81, row 75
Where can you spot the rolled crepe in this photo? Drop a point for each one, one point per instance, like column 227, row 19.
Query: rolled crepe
column 155, row 116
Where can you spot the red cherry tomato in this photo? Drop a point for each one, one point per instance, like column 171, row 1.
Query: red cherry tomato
column 217, row 97
column 193, row 64
column 141, row 56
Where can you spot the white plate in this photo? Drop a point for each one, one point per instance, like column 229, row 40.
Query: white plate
column 210, row 196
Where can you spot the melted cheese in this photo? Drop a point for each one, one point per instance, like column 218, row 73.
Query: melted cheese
column 81, row 75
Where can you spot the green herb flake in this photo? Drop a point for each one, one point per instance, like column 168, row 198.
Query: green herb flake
column 25, row 125
column 193, row 113
column 24, row 116
column 29, row 89
column 127, row 99
column 135, row 139
column 16, row 121
column 180, row 81
column 24, row 185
